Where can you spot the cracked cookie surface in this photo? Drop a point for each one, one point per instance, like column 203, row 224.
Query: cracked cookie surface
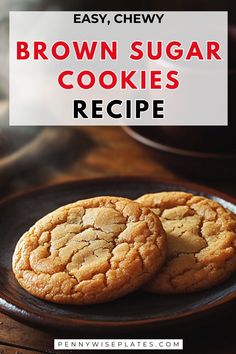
column 201, row 238
column 90, row 251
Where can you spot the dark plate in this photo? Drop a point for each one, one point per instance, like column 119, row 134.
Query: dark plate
column 201, row 164
column 139, row 309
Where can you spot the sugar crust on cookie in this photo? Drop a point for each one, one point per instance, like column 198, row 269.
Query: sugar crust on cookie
column 90, row 251
column 201, row 238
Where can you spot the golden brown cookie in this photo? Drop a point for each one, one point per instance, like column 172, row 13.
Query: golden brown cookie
column 90, row 251
column 201, row 237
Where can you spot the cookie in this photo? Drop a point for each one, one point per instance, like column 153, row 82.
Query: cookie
column 201, row 238
column 90, row 251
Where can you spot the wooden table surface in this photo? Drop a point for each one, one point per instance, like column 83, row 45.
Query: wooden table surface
column 96, row 152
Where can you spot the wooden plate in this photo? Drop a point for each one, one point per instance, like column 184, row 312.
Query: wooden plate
column 139, row 309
